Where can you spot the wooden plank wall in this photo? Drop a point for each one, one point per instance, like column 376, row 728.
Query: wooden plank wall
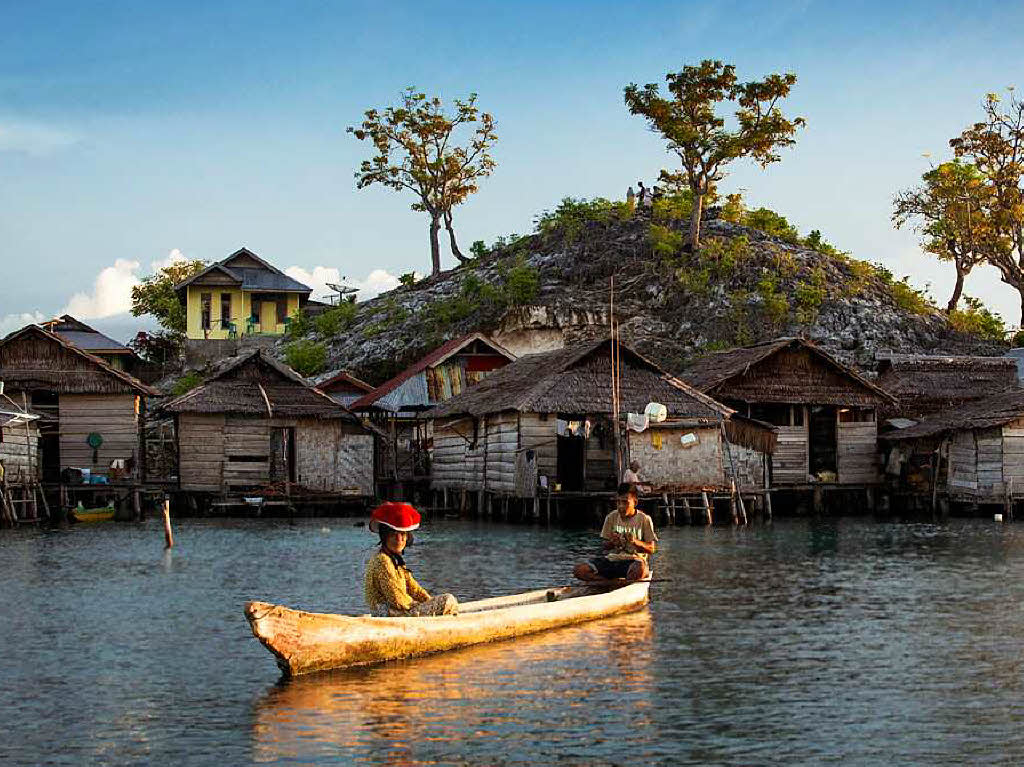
column 456, row 463
column 963, row 462
column 858, row 452
column 601, row 472
column 789, row 462
column 19, row 452
column 541, row 437
column 502, row 442
column 249, row 438
column 112, row 416
column 201, row 451
column 333, row 456
column 990, row 460
column 1013, row 456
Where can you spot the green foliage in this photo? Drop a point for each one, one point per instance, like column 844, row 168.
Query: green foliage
column 187, row 383
column 673, row 207
column 739, row 318
column 776, row 305
column 978, row 320
column 733, row 210
column 815, row 241
column 771, row 223
column 724, row 255
column 909, row 298
column 1018, row 339
column 301, row 325
column 478, row 249
column 521, row 283
column 665, row 242
column 518, row 283
column 573, row 216
column 336, row 320
column 694, row 280
column 408, row 279
column 305, row 357
column 155, row 295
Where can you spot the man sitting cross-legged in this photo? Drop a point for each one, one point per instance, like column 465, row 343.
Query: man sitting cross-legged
column 629, row 538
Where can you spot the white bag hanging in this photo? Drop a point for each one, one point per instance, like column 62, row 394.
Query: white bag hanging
column 656, row 412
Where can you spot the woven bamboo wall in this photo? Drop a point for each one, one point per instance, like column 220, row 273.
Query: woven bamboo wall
column 335, row 457
column 672, row 464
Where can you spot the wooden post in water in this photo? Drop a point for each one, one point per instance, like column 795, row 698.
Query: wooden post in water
column 733, row 509
column 168, row 535
column 137, row 504
column 707, row 507
column 767, row 504
column 686, row 511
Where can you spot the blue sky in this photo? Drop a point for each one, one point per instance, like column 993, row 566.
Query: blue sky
column 132, row 130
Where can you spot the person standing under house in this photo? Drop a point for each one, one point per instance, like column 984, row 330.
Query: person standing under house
column 389, row 586
column 632, row 474
column 629, row 539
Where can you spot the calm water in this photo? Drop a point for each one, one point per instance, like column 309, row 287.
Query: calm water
column 798, row 642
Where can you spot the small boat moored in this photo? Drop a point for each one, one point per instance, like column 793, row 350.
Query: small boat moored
column 305, row 642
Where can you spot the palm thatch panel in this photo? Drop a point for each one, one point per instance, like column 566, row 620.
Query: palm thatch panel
column 926, row 384
column 786, row 371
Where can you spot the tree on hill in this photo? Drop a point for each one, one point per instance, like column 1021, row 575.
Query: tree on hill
column 947, row 209
column 688, row 121
column 996, row 147
column 415, row 149
column 155, row 294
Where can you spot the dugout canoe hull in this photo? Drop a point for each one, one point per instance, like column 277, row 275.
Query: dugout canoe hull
column 304, row 642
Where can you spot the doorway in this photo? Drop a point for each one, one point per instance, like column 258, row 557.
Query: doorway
column 572, row 453
column 822, row 448
column 282, row 454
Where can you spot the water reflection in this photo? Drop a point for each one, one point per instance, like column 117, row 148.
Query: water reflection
column 458, row 703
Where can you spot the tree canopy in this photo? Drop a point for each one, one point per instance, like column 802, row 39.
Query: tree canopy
column 155, row 294
column 995, row 146
column 688, row 120
column 948, row 210
column 416, row 149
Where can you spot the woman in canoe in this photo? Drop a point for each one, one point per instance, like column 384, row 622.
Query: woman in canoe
column 389, row 586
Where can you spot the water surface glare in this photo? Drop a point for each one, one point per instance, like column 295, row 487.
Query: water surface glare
column 798, row 642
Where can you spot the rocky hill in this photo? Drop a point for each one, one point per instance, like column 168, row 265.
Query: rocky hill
column 743, row 286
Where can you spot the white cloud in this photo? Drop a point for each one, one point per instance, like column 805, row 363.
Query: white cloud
column 375, row 283
column 111, row 293
column 33, row 138
column 174, row 257
column 11, row 322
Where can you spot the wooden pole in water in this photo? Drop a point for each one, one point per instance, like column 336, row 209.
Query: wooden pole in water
column 168, row 535
column 707, row 507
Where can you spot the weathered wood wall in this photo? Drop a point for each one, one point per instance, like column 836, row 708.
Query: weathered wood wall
column 857, row 453
column 113, row 416
column 245, row 440
column 790, row 460
column 201, row 451
column 501, row 438
column 19, row 452
column 1013, row 456
column 457, row 463
column 990, row 460
column 539, row 434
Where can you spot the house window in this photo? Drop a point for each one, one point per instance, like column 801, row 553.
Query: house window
column 856, row 415
column 798, row 415
column 205, row 303
column 225, row 309
column 776, row 415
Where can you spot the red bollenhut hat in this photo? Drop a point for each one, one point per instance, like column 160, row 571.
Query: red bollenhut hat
column 396, row 515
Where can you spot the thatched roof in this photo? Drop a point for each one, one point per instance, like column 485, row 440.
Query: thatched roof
column 256, row 384
column 996, row 410
column 927, row 384
column 33, row 358
column 577, row 379
column 786, row 370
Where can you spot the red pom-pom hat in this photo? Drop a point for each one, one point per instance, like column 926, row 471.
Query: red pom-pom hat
column 396, row 515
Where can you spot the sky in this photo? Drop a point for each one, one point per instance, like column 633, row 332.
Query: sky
column 133, row 134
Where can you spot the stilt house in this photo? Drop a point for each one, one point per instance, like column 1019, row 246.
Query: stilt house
column 87, row 338
column 399, row 406
column 926, row 384
column 825, row 412
column 546, row 421
column 973, row 453
column 91, row 413
column 19, row 443
column 256, row 422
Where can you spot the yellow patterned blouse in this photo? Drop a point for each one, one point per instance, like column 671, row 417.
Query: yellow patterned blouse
column 388, row 585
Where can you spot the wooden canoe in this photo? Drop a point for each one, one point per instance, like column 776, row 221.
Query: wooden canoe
column 102, row 514
column 304, row 642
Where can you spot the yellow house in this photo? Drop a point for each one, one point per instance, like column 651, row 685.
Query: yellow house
column 241, row 295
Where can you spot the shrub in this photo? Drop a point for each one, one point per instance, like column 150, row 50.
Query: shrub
column 724, row 254
column 408, row 279
column 733, row 210
column 909, row 298
column 771, row 223
column 521, row 284
column 776, row 306
column 300, row 325
column 573, row 215
column 336, row 319
column 673, row 207
column 693, row 280
column 478, row 249
column 187, row 382
column 1018, row 339
column 306, row 357
column 976, row 319
column 665, row 243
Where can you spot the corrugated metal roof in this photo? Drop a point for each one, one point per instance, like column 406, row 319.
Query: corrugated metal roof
column 92, row 341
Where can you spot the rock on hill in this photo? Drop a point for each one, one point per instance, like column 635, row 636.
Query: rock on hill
column 540, row 291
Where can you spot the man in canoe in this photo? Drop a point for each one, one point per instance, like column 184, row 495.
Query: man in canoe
column 629, row 539
column 388, row 584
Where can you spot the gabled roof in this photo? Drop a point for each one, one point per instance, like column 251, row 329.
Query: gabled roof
column 257, row 384
column 577, row 379
column 432, row 360
column 268, row 277
column 50, row 378
column 996, row 410
column 713, row 374
column 325, row 381
column 925, row 384
column 85, row 336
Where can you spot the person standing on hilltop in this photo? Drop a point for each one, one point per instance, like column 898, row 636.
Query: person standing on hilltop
column 642, row 194
column 631, row 199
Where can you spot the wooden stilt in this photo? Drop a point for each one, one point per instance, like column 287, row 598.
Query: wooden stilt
column 687, row 514
column 168, row 535
column 733, row 507
column 743, row 507
column 817, row 499
column 767, row 505
column 42, row 497
column 708, row 514
column 137, row 504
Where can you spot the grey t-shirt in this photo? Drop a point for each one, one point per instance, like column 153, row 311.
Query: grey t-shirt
column 639, row 526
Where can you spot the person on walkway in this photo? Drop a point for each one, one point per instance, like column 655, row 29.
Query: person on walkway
column 389, row 586
column 632, row 474
column 629, row 539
